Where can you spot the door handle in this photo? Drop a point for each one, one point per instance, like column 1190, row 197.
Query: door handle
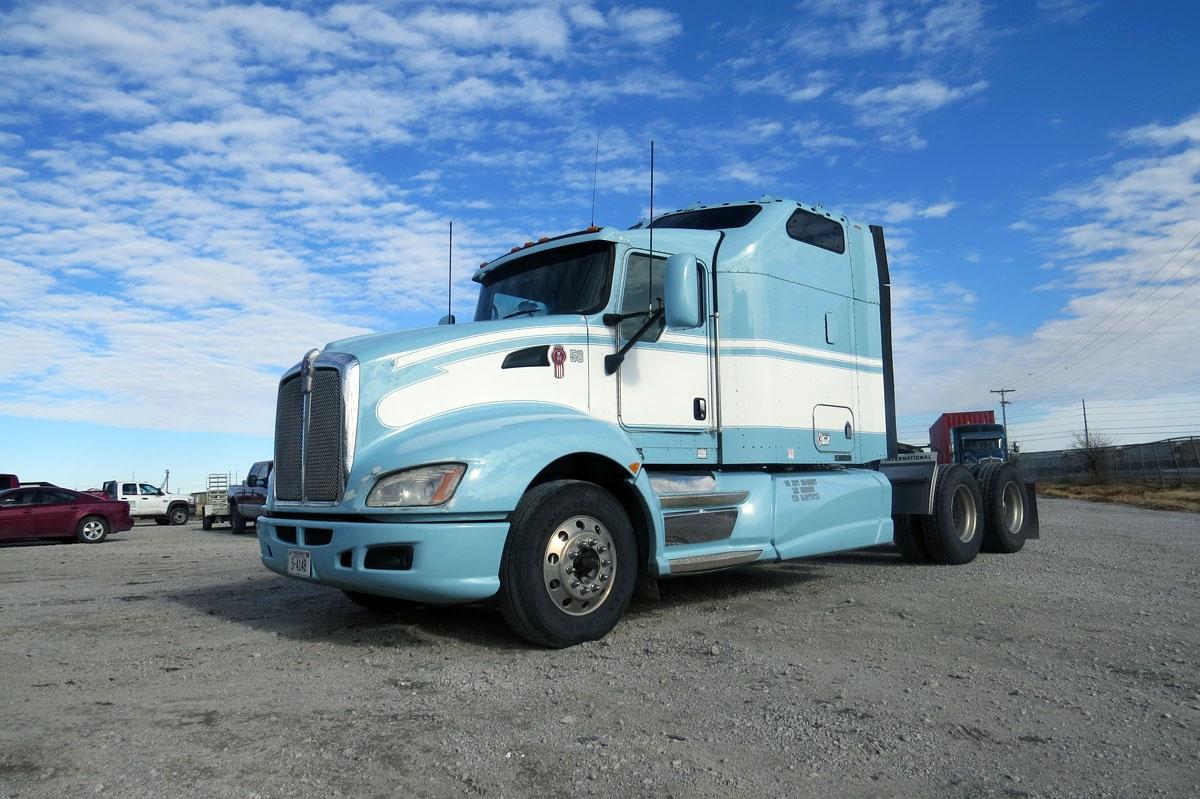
column 699, row 409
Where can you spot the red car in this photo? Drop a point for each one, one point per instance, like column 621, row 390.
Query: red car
column 53, row 512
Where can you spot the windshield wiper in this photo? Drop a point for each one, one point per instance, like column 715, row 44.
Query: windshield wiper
column 611, row 362
column 521, row 312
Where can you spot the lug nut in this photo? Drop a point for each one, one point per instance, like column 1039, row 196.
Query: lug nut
column 604, row 577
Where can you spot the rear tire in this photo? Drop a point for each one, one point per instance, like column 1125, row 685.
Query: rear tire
column 909, row 539
column 206, row 523
column 954, row 532
column 236, row 521
column 570, row 564
column 1005, row 507
column 379, row 604
column 91, row 530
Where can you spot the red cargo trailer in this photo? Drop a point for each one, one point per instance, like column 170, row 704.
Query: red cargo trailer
column 939, row 433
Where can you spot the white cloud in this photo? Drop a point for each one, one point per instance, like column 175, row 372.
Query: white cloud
column 884, row 104
column 645, row 26
column 1066, row 10
column 1125, row 333
column 831, row 28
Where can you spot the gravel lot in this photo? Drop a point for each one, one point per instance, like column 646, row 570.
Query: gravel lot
column 168, row 662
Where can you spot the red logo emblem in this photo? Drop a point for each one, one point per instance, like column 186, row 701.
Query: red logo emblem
column 559, row 356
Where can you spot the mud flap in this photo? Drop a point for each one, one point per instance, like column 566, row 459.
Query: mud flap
column 1032, row 526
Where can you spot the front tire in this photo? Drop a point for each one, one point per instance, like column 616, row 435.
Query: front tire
column 206, row 522
column 236, row 521
column 178, row 515
column 569, row 565
column 91, row 530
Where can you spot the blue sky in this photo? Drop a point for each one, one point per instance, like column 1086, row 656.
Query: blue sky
column 192, row 195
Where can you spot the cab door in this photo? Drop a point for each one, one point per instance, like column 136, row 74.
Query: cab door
column 665, row 381
column 129, row 493
column 16, row 514
column 153, row 501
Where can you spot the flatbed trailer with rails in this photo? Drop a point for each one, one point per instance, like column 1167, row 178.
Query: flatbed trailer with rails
column 709, row 389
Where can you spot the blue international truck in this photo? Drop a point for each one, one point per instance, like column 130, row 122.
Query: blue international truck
column 707, row 389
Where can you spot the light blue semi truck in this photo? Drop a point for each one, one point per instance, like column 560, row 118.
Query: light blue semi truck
column 709, row 389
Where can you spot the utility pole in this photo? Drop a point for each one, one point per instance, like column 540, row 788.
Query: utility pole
column 1087, row 440
column 1004, row 403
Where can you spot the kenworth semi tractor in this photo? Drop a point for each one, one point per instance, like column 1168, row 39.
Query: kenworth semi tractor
column 706, row 390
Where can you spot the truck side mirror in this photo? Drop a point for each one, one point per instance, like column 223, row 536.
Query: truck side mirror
column 682, row 290
column 251, row 481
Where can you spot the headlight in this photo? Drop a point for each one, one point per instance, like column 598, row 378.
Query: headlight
column 423, row 486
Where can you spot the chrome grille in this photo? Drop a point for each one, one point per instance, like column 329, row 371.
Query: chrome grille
column 313, row 435
column 324, row 448
column 289, row 440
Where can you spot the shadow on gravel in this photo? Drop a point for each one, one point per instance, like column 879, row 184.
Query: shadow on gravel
column 305, row 612
column 690, row 592
column 876, row 556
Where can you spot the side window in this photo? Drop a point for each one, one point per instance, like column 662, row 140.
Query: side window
column 26, row 497
column 264, row 472
column 819, row 231
column 149, row 490
column 643, row 291
column 128, row 489
column 54, row 497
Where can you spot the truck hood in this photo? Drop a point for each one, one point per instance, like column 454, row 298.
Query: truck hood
column 444, row 339
column 409, row 378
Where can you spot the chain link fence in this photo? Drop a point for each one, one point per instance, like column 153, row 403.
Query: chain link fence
column 1172, row 462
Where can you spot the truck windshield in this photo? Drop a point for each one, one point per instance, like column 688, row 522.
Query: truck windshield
column 565, row 280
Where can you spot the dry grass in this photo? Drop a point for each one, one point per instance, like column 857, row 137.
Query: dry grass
column 1142, row 496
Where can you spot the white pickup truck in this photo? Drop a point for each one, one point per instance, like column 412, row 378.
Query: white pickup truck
column 147, row 502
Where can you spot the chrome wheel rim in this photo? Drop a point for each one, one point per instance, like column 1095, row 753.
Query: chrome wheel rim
column 1012, row 509
column 93, row 530
column 579, row 565
column 962, row 508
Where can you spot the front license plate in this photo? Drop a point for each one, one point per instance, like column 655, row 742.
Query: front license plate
column 299, row 563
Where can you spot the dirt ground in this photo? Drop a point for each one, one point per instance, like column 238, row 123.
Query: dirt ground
column 168, row 662
column 1144, row 496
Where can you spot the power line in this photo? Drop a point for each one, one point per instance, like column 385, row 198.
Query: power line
column 1084, row 355
column 1176, row 296
column 1132, row 294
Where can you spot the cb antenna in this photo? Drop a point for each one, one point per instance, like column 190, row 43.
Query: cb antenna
column 450, row 278
column 595, row 172
column 649, row 282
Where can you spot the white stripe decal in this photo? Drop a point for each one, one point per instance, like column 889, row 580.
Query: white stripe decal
column 450, row 347
column 796, row 349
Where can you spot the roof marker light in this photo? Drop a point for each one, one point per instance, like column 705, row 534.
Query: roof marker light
column 515, row 249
